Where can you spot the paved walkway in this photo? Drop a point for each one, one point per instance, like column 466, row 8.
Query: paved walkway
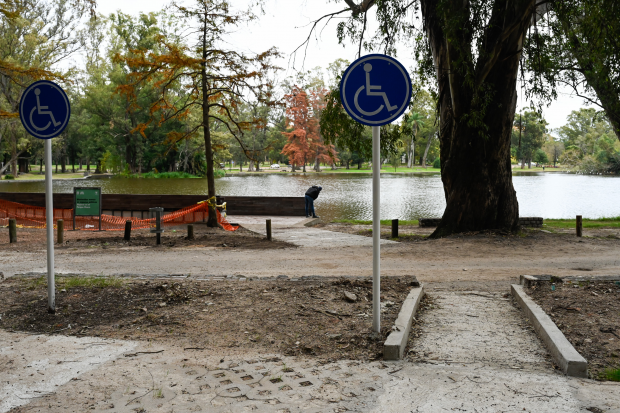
column 475, row 352
column 292, row 229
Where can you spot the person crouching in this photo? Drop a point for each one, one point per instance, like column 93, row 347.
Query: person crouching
column 311, row 195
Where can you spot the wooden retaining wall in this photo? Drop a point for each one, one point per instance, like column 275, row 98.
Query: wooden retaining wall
column 138, row 205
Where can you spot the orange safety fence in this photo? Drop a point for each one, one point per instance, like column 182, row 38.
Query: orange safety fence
column 28, row 216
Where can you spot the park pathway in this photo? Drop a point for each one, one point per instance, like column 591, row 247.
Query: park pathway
column 473, row 352
column 292, row 229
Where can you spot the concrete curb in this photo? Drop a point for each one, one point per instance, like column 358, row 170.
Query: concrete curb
column 563, row 352
column 394, row 346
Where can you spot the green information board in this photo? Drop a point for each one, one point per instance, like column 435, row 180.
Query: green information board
column 87, row 202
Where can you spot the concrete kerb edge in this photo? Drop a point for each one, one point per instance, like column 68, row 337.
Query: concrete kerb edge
column 564, row 354
column 394, row 346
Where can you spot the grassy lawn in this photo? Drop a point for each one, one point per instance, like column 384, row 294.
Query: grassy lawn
column 587, row 223
column 539, row 169
column 36, row 176
column 353, row 170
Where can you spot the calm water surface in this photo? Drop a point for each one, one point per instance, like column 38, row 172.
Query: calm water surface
column 411, row 196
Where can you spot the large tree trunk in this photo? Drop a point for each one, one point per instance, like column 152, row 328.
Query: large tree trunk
column 317, row 165
column 411, row 154
column 212, row 220
column 475, row 156
column 428, row 145
column 14, row 153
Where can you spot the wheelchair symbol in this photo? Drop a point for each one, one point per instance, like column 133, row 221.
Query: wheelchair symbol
column 41, row 111
column 369, row 92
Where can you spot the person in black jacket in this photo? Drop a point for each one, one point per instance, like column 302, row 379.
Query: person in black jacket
column 311, row 195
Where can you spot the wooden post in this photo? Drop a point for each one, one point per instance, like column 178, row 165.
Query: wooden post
column 127, row 230
column 60, row 231
column 394, row 228
column 159, row 238
column 579, row 226
column 190, row 231
column 268, row 222
column 12, row 230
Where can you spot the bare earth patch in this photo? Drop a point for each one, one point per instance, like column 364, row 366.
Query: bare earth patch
column 304, row 317
column 29, row 239
column 588, row 313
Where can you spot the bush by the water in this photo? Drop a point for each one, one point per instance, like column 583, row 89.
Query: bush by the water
column 437, row 163
column 9, row 176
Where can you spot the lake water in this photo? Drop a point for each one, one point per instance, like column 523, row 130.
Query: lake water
column 349, row 196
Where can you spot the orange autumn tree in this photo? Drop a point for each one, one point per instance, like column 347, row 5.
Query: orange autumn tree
column 304, row 140
column 323, row 153
column 209, row 80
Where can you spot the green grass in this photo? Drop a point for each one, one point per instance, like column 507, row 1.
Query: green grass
column 328, row 170
column 73, row 282
column 383, row 222
column 36, row 176
column 611, row 374
column 36, row 283
column 88, row 282
column 613, row 222
column 384, row 169
column 161, row 175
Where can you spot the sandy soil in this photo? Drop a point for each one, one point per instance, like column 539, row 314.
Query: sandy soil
column 588, row 313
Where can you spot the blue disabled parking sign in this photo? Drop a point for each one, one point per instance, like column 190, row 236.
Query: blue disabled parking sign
column 375, row 90
column 44, row 109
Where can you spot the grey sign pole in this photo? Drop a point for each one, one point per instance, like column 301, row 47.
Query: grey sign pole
column 376, row 229
column 49, row 225
column 45, row 111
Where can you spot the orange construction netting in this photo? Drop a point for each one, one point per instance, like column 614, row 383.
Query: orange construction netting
column 34, row 217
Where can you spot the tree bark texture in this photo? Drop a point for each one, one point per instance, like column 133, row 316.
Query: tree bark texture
column 428, row 145
column 212, row 220
column 475, row 157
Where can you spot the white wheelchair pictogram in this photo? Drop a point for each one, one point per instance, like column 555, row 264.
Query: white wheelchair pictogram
column 369, row 92
column 41, row 111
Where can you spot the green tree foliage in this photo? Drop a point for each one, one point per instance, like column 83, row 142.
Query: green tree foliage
column 35, row 35
column 528, row 136
column 217, row 78
column 589, row 141
column 576, row 44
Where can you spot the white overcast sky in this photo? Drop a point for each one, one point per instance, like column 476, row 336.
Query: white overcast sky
column 285, row 26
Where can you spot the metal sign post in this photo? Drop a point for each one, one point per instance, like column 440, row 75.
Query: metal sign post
column 49, row 227
column 375, row 90
column 376, row 229
column 44, row 110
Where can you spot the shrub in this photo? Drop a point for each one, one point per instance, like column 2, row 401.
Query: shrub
column 436, row 163
column 9, row 176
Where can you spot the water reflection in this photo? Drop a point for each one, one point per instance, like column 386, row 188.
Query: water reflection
column 349, row 196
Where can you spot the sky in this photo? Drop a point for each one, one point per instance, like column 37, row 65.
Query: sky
column 285, row 26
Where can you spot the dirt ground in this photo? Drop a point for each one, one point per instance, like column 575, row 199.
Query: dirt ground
column 414, row 233
column 292, row 318
column 466, row 257
column 29, row 238
column 588, row 313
